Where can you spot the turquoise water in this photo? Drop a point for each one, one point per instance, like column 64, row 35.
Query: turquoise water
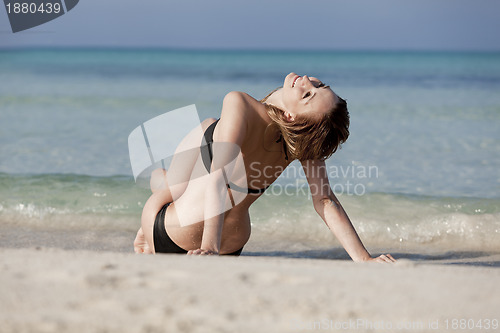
column 425, row 124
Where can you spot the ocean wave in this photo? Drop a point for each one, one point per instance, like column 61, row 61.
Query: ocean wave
column 387, row 220
column 381, row 219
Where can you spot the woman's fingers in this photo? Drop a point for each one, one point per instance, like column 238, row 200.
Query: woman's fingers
column 391, row 258
column 387, row 258
column 384, row 258
column 200, row 252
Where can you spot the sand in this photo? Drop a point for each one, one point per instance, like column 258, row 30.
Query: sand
column 55, row 290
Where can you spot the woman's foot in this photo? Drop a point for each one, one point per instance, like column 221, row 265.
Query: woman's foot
column 140, row 244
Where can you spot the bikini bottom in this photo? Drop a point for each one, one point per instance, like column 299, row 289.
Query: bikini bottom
column 162, row 241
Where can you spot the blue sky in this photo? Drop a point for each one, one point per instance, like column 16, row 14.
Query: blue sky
column 279, row 24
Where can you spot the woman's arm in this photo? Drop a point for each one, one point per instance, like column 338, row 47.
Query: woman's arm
column 230, row 134
column 331, row 211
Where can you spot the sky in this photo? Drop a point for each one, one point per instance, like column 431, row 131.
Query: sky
column 463, row 25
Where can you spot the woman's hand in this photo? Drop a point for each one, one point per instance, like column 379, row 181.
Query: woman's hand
column 383, row 258
column 140, row 244
column 202, row 252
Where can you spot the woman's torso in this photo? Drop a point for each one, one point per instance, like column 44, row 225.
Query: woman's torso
column 264, row 161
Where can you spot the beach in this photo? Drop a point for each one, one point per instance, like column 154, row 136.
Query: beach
column 418, row 178
column 54, row 290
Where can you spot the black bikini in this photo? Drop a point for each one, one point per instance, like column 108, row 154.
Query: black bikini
column 207, row 157
column 162, row 241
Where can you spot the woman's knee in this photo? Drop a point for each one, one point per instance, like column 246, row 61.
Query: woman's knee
column 158, row 180
column 207, row 122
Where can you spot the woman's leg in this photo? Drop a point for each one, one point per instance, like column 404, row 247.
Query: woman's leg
column 143, row 242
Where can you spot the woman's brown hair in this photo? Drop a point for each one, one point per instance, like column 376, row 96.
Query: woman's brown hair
column 307, row 138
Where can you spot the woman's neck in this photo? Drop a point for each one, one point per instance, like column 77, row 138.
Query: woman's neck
column 272, row 135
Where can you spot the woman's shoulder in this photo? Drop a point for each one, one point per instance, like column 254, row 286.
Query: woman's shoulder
column 239, row 97
column 239, row 111
column 241, row 102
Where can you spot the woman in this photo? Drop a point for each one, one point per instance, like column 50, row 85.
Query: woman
column 303, row 120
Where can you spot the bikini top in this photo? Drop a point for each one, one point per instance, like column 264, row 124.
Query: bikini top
column 207, row 157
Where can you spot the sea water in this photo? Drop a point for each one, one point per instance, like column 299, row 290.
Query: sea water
column 419, row 172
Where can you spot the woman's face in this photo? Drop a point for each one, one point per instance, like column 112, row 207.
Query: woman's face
column 308, row 96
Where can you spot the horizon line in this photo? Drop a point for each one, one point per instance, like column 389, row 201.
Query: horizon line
column 242, row 49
